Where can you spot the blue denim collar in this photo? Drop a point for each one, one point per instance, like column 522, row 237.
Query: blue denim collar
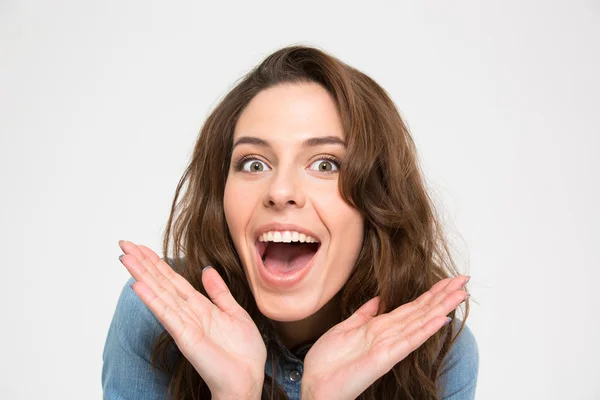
column 296, row 354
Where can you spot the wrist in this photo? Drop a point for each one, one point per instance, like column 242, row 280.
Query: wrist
column 253, row 394
column 306, row 396
column 231, row 396
column 234, row 397
column 306, row 392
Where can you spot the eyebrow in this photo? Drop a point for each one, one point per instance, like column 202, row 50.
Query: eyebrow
column 310, row 142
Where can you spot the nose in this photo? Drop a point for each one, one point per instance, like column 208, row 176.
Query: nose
column 285, row 190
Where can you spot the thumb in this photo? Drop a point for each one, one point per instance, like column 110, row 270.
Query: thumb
column 363, row 315
column 218, row 291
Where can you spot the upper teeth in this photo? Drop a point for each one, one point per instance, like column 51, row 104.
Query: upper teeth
column 286, row 237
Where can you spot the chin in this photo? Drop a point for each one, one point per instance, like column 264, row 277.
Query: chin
column 281, row 310
column 285, row 318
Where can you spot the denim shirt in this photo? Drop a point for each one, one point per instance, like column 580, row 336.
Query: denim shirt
column 127, row 368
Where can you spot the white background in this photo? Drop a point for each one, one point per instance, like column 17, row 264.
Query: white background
column 101, row 103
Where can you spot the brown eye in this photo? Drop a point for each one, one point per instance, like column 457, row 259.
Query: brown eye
column 324, row 165
column 254, row 165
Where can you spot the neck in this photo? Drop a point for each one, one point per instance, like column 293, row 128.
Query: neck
column 309, row 329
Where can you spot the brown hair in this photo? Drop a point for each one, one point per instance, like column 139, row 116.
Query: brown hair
column 404, row 252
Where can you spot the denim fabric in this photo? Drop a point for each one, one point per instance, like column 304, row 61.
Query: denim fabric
column 127, row 371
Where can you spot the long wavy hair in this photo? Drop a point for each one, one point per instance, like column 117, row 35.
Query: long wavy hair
column 404, row 251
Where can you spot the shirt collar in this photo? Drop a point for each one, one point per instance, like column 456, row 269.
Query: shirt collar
column 296, row 354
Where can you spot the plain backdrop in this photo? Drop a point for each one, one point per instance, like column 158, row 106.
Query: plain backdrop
column 101, row 103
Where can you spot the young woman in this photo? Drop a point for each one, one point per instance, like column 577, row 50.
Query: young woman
column 330, row 276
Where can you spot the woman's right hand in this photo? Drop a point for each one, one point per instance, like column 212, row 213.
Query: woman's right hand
column 218, row 338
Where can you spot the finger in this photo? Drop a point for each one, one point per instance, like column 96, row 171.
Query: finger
column 189, row 339
column 454, row 285
column 219, row 293
column 176, row 284
column 361, row 316
column 426, row 298
column 185, row 289
column 189, row 301
column 149, row 263
column 409, row 342
column 141, row 274
column 136, row 251
column 436, row 289
column 164, row 273
column 172, row 322
column 441, row 309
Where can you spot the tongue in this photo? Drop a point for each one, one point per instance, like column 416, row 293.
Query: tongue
column 287, row 258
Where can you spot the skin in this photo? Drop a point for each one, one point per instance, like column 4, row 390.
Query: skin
column 291, row 188
column 218, row 336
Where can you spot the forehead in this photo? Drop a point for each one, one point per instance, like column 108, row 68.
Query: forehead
column 290, row 112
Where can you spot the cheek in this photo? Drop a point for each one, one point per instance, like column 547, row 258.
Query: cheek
column 343, row 222
column 239, row 203
column 234, row 209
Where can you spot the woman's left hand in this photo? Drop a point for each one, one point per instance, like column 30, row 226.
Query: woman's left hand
column 352, row 355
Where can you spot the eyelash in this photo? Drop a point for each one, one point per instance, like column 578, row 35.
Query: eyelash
column 241, row 160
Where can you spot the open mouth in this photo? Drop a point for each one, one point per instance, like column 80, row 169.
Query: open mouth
column 281, row 258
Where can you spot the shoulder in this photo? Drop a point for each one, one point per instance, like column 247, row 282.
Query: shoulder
column 460, row 368
column 127, row 356
column 135, row 324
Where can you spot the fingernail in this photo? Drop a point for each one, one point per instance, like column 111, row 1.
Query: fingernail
column 467, row 281
column 205, row 268
column 448, row 319
column 121, row 257
column 468, row 295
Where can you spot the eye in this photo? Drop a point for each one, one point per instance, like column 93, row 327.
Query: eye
column 254, row 165
column 325, row 165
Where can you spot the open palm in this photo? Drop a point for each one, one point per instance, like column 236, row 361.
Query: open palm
column 218, row 337
column 352, row 355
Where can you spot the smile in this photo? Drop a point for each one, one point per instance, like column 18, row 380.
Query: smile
column 284, row 257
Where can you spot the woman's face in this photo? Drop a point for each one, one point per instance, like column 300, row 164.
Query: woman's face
column 281, row 190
